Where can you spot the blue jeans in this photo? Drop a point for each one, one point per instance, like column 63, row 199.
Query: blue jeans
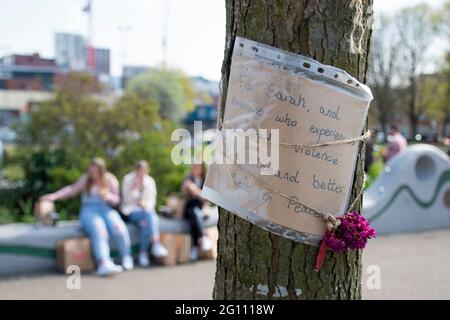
column 100, row 221
column 147, row 221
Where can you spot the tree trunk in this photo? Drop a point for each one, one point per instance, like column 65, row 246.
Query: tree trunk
column 413, row 117
column 445, row 123
column 252, row 263
column 447, row 107
column 384, row 104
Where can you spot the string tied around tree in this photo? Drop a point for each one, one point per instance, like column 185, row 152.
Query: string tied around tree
column 348, row 232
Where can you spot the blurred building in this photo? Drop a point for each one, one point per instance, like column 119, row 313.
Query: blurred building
column 70, row 51
column 27, row 72
column 102, row 61
column 72, row 54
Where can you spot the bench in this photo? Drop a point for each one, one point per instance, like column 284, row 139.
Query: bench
column 27, row 248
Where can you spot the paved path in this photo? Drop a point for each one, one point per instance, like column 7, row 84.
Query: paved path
column 190, row 281
column 412, row 266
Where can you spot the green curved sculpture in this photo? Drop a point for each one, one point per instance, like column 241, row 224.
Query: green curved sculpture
column 444, row 178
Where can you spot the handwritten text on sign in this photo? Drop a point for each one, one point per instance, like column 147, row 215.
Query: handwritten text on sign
column 308, row 109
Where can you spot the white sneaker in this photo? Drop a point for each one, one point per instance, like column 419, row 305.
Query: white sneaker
column 127, row 263
column 205, row 243
column 158, row 250
column 108, row 269
column 194, row 253
column 144, row 261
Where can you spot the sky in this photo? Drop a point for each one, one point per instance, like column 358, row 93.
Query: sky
column 195, row 29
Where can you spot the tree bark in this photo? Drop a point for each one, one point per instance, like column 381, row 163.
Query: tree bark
column 255, row 264
column 444, row 126
column 413, row 116
column 447, row 107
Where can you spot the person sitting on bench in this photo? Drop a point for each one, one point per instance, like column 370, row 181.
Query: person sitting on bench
column 192, row 188
column 138, row 204
column 99, row 193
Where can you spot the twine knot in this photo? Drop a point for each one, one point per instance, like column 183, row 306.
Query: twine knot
column 331, row 221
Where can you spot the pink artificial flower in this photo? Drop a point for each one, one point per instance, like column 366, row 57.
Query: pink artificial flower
column 352, row 233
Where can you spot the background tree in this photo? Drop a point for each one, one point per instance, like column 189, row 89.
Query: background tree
column 63, row 133
column 442, row 19
column 416, row 34
column 171, row 89
column 71, row 115
column 333, row 32
column 384, row 68
column 435, row 93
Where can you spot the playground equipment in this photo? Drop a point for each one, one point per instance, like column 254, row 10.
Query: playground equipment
column 413, row 192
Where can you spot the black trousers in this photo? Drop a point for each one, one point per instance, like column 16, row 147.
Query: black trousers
column 193, row 213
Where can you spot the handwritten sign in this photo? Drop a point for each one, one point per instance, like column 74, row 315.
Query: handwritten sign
column 310, row 104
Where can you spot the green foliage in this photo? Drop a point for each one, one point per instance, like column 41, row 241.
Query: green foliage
column 154, row 147
column 436, row 94
column 13, row 173
column 441, row 19
column 38, row 165
column 133, row 114
column 170, row 88
column 10, row 197
column 44, row 170
column 60, row 176
column 64, row 133
column 72, row 118
column 26, row 206
column 399, row 78
column 6, row 215
column 374, row 171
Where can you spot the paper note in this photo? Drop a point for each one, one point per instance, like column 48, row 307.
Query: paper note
column 309, row 104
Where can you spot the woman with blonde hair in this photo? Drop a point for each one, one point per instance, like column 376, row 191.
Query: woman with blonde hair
column 99, row 193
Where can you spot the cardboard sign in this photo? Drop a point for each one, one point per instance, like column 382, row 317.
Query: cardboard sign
column 77, row 252
column 309, row 104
